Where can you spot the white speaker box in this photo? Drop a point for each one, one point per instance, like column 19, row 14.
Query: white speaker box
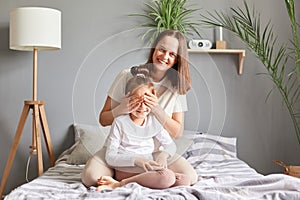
column 200, row 44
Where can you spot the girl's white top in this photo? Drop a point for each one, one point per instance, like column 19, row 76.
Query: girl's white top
column 126, row 141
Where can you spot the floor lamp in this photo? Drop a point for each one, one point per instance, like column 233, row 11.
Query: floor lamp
column 33, row 29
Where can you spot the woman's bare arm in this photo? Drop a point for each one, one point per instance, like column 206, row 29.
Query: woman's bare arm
column 107, row 115
column 174, row 125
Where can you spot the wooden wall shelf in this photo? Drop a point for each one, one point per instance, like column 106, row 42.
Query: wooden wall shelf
column 240, row 52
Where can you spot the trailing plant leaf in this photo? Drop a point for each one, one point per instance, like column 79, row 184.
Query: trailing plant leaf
column 245, row 23
column 168, row 14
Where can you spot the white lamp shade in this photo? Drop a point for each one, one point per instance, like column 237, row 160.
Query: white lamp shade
column 35, row 27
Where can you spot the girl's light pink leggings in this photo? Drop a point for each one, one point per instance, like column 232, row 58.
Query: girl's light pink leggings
column 159, row 179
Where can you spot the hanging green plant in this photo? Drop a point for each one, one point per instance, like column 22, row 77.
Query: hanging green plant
column 161, row 15
column 281, row 62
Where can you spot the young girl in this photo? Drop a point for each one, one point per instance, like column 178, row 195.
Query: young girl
column 130, row 146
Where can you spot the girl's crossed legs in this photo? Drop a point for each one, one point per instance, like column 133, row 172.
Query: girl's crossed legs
column 97, row 167
column 159, row 179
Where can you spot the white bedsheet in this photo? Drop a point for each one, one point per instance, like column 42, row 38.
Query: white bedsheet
column 223, row 180
column 221, row 176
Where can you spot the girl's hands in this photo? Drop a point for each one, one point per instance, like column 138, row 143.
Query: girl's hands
column 162, row 159
column 128, row 104
column 146, row 164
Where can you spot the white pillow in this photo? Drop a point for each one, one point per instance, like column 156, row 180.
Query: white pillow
column 88, row 140
column 211, row 147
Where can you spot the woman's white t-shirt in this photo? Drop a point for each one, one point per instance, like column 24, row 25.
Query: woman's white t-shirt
column 170, row 101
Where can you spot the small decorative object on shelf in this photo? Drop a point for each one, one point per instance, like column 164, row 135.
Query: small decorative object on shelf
column 220, row 44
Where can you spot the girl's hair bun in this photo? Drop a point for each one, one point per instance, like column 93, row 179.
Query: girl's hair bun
column 140, row 77
column 141, row 71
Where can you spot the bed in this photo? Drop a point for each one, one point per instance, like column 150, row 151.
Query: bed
column 222, row 175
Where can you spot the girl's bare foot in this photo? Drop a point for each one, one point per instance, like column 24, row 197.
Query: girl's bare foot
column 107, row 183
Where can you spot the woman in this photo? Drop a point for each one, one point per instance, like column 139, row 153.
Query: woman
column 169, row 69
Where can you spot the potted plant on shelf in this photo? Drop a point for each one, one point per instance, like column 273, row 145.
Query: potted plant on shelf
column 282, row 63
column 168, row 14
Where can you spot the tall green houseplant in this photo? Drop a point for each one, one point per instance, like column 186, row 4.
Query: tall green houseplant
column 168, row 14
column 281, row 62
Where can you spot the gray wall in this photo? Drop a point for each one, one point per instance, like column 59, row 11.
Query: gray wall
column 97, row 43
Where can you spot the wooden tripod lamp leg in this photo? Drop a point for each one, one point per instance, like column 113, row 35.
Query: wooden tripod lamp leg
column 14, row 147
column 46, row 132
column 36, row 118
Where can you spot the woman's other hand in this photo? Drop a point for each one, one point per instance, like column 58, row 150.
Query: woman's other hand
column 151, row 99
